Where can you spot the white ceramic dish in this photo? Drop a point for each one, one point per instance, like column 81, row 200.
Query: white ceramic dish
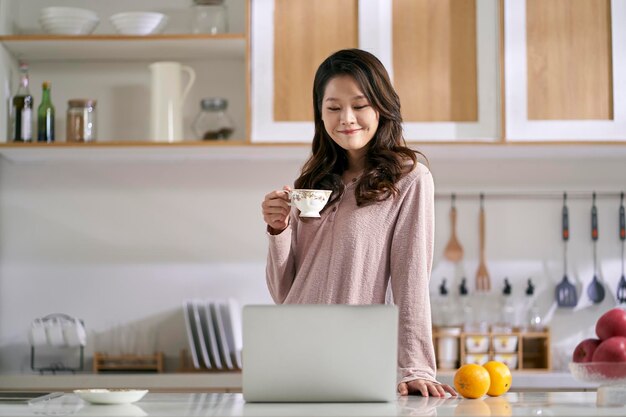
column 505, row 344
column 509, row 359
column 477, row 358
column 218, row 322
column 230, row 335
column 138, row 23
column 477, row 344
column 111, row 396
column 67, row 12
column 190, row 334
column 235, row 318
column 206, row 321
column 202, row 346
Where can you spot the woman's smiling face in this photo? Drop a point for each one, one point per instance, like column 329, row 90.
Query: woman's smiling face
column 349, row 118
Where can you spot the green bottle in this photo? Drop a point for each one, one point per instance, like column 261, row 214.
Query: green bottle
column 45, row 116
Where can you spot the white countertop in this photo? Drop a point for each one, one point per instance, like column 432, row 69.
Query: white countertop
column 189, row 404
column 231, row 381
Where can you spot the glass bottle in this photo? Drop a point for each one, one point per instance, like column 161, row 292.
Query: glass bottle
column 213, row 122
column 507, row 311
column 534, row 321
column 209, row 16
column 22, row 109
column 45, row 116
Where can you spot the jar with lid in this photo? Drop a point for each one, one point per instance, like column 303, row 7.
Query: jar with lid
column 209, row 16
column 213, row 122
column 81, row 120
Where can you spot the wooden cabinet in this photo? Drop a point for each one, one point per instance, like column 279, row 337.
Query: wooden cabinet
column 528, row 351
column 113, row 69
column 565, row 70
column 442, row 56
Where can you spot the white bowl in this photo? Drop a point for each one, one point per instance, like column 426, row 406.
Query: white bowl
column 67, row 11
column 509, row 359
column 111, row 396
column 477, row 358
column 138, row 23
column 69, row 27
column 505, row 344
column 477, row 343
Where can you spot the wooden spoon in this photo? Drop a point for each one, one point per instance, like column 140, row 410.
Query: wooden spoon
column 482, row 274
column 453, row 251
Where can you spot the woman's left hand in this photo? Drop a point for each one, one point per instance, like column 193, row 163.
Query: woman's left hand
column 425, row 388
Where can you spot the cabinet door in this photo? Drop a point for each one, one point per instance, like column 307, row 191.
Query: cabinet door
column 445, row 67
column 565, row 70
column 447, row 83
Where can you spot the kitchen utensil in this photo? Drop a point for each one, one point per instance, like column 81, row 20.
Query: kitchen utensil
column 482, row 275
column 565, row 292
column 621, row 287
column 166, row 120
column 453, row 251
column 595, row 290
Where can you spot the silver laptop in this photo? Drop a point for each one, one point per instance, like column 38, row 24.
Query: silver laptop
column 320, row 353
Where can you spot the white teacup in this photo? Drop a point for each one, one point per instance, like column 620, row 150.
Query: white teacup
column 309, row 202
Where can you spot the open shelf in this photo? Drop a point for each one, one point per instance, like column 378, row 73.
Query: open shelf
column 35, row 48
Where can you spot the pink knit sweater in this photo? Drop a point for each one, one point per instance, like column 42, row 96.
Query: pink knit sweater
column 350, row 254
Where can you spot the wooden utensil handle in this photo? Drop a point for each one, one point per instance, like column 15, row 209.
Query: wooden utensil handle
column 594, row 220
column 482, row 231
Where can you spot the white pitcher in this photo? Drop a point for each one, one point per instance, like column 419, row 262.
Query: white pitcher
column 166, row 120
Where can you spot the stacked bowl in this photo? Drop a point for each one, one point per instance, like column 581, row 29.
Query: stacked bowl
column 68, row 20
column 138, row 23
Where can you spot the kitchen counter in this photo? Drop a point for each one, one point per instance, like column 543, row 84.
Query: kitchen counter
column 231, row 381
column 190, row 404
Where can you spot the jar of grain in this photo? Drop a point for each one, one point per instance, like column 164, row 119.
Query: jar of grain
column 81, row 120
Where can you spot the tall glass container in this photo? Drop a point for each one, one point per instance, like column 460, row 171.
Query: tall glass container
column 209, row 16
column 81, row 120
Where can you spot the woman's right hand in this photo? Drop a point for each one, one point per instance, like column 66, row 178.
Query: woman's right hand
column 276, row 210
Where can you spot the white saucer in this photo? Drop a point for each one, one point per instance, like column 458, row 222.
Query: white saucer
column 111, row 396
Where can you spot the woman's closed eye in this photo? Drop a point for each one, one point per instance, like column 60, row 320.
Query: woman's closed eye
column 355, row 107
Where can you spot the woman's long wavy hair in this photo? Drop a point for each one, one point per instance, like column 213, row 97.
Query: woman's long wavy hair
column 386, row 152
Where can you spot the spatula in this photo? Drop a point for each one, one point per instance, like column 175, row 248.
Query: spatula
column 565, row 291
column 482, row 275
column 595, row 290
column 453, row 251
column 621, row 287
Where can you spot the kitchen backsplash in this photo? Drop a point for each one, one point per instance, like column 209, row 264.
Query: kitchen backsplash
column 123, row 243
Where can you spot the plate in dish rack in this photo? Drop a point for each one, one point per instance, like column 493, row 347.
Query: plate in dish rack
column 111, row 396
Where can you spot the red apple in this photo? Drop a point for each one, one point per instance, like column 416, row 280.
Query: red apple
column 612, row 323
column 612, row 349
column 584, row 350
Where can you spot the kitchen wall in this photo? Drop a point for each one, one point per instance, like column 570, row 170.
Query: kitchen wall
column 121, row 243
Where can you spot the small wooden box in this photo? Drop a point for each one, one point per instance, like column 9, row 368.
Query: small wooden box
column 103, row 362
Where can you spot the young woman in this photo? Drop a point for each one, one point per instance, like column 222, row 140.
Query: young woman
column 377, row 228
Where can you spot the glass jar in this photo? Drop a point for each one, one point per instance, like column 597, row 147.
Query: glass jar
column 213, row 123
column 209, row 16
column 81, row 120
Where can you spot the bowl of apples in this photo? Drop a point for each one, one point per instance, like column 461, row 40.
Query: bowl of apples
column 602, row 360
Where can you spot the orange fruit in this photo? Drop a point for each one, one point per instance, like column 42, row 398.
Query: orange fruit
column 472, row 381
column 500, row 377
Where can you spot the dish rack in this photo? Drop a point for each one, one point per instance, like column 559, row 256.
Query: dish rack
column 57, row 331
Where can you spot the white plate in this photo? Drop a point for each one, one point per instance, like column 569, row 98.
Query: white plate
column 235, row 318
column 190, row 334
column 202, row 347
column 230, row 334
column 206, row 321
column 111, row 396
column 221, row 335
